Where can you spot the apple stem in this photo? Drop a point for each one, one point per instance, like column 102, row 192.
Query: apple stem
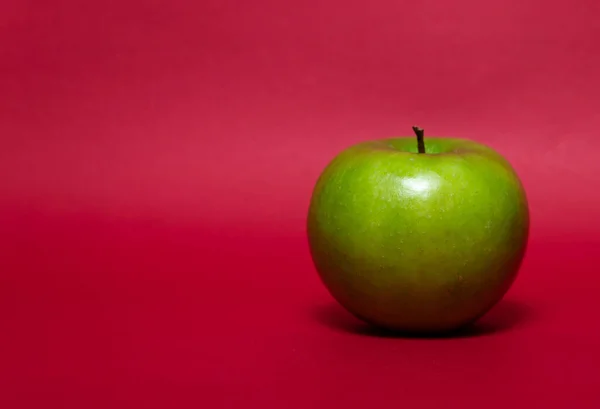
column 420, row 142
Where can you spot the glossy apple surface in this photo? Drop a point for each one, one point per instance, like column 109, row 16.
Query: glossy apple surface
column 418, row 242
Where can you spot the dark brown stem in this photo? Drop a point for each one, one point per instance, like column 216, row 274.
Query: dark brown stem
column 420, row 141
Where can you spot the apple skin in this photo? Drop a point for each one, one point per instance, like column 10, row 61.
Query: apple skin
column 418, row 242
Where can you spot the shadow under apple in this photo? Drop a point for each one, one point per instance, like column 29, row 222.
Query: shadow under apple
column 506, row 315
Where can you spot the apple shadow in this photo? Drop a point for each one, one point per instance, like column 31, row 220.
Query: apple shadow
column 506, row 315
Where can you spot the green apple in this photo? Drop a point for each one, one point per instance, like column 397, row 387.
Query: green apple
column 418, row 235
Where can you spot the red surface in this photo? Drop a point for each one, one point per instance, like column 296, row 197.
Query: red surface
column 156, row 164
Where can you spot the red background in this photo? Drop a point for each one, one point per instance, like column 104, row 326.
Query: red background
column 156, row 163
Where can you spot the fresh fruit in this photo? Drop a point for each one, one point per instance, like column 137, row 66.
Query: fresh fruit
column 418, row 235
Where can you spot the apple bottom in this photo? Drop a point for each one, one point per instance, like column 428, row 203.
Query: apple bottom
column 418, row 303
column 430, row 310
